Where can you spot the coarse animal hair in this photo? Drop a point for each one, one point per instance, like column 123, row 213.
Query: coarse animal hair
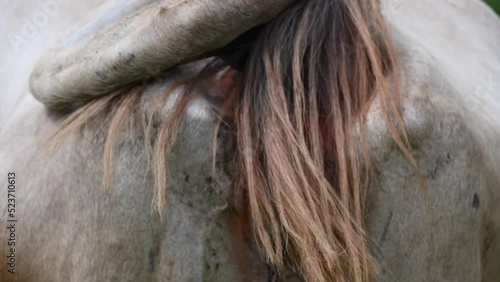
column 298, row 108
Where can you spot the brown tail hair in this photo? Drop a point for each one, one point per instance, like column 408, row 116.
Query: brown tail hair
column 299, row 108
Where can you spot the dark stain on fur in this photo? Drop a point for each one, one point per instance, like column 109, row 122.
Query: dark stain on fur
column 209, row 180
column 475, row 202
column 130, row 59
column 101, row 75
column 152, row 262
column 386, row 229
column 440, row 162
column 383, row 239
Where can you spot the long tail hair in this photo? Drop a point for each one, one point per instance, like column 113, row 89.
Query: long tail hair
column 299, row 106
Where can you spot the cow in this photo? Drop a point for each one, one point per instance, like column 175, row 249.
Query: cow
column 429, row 211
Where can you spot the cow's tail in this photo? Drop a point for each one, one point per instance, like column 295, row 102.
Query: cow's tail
column 304, row 93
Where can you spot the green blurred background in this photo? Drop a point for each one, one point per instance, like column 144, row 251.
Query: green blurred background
column 495, row 4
